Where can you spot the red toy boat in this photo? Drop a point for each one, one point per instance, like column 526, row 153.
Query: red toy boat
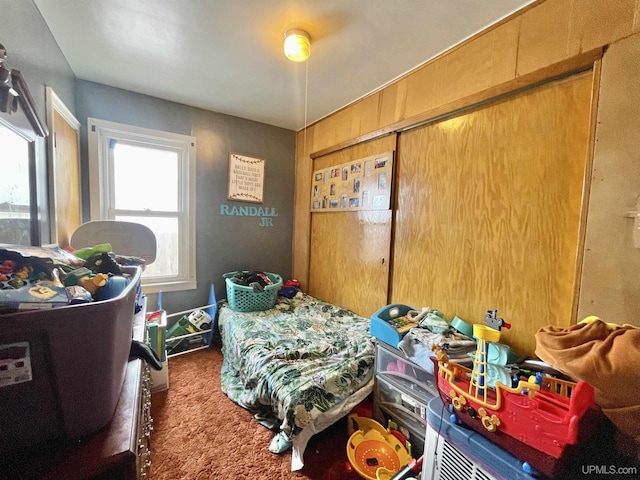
column 542, row 425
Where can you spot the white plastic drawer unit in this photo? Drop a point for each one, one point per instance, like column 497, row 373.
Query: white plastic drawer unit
column 412, row 430
column 401, row 394
column 394, row 398
column 394, row 368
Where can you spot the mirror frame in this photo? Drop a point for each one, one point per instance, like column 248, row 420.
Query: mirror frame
column 18, row 113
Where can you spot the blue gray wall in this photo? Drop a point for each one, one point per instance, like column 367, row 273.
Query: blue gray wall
column 224, row 243
column 32, row 50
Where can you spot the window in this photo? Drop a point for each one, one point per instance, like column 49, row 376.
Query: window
column 15, row 200
column 148, row 177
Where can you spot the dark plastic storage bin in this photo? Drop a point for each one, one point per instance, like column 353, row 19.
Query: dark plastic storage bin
column 68, row 367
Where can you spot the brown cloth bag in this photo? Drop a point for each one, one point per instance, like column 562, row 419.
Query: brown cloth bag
column 607, row 358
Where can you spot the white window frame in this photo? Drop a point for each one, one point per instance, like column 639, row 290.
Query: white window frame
column 100, row 134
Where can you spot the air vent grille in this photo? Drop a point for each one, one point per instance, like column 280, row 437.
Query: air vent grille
column 451, row 464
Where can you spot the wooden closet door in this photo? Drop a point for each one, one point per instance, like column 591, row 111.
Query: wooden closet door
column 65, row 195
column 350, row 251
column 67, row 179
column 489, row 210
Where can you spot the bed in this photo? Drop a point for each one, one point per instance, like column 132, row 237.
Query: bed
column 298, row 367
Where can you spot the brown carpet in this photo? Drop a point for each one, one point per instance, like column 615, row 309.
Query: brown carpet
column 198, row 433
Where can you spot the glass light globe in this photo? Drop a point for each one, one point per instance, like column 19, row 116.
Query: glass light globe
column 297, row 45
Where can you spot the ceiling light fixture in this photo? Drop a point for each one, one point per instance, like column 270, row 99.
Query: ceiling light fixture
column 297, row 45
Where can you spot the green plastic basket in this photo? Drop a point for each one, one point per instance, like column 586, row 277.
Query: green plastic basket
column 242, row 298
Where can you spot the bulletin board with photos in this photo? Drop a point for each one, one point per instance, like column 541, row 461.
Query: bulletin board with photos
column 362, row 184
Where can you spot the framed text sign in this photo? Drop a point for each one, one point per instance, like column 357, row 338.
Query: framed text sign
column 246, row 178
column 362, row 184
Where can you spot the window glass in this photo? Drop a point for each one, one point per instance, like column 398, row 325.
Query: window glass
column 15, row 209
column 168, row 244
column 155, row 168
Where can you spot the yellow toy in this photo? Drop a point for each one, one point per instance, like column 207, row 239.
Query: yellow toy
column 374, row 452
column 92, row 283
column 612, row 326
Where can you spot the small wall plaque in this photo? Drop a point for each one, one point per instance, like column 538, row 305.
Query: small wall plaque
column 246, row 178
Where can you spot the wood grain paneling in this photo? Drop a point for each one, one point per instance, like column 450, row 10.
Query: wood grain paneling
column 547, row 39
column 611, row 270
column 596, row 23
column 367, row 115
column 559, row 29
column 367, row 149
column 488, row 210
column 468, row 69
column 579, row 63
column 544, row 35
column 350, row 251
column 392, row 103
column 350, row 259
column 67, row 179
column 301, row 216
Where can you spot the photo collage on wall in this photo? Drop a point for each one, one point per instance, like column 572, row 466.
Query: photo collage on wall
column 363, row 184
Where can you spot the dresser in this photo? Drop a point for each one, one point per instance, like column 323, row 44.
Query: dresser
column 402, row 392
column 119, row 451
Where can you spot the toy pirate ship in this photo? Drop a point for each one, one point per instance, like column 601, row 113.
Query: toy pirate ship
column 541, row 420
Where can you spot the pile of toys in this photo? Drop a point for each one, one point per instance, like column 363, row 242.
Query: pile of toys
column 189, row 332
column 40, row 277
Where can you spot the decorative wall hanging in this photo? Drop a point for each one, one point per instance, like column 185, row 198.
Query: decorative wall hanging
column 246, row 178
column 363, row 184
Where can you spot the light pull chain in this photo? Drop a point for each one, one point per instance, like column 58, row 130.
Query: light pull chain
column 306, row 91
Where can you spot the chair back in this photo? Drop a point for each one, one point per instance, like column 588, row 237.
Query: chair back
column 126, row 238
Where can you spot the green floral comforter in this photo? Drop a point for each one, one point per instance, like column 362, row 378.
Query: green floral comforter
column 294, row 361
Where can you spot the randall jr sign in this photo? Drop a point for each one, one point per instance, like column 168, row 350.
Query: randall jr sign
column 266, row 214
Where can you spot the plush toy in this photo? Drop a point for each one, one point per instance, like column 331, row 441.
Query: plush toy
column 608, row 357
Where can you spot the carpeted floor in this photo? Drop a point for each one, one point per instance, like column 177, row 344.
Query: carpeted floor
column 198, row 433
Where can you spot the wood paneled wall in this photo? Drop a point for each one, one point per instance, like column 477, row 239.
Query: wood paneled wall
column 549, row 39
column 66, row 175
column 489, row 210
column 611, row 273
column 350, row 251
column 540, row 42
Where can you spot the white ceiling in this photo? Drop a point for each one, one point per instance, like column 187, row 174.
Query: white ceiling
column 226, row 55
